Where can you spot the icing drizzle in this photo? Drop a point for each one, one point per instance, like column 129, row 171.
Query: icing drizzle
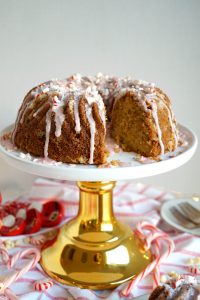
column 48, row 129
column 92, row 132
column 159, row 132
column 92, row 89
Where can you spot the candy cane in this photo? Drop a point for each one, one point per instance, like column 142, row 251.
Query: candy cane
column 21, row 254
column 34, row 252
column 4, row 253
column 10, row 295
column 154, row 238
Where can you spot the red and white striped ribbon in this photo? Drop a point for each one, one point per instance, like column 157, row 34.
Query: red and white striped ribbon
column 161, row 247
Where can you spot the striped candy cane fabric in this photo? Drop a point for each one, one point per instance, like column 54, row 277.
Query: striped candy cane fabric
column 133, row 203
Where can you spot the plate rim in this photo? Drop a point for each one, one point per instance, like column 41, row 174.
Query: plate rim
column 171, row 222
column 92, row 173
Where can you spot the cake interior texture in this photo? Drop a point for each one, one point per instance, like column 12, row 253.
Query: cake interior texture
column 68, row 120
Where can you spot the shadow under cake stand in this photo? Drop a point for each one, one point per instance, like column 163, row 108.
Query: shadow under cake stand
column 94, row 250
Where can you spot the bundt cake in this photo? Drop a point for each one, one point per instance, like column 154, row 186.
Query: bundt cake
column 67, row 120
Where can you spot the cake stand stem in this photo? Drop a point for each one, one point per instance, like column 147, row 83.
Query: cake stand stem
column 94, row 250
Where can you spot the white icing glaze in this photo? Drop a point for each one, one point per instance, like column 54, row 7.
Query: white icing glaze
column 163, row 98
column 59, row 118
column 159, row 132
column 92, row 132
column 24, row 112
column 172, row 124
column 48, row 129
column 93, row 96
column 76, row 116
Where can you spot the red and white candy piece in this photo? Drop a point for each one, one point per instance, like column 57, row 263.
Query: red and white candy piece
column 52, row 213
column 33, row 220
column 43, row 285
column 38, row 240
column 12, row 225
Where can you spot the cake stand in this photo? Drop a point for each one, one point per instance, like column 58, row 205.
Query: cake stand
column 94, row 250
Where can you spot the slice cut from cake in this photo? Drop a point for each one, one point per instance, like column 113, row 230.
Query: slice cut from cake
column 142, row 120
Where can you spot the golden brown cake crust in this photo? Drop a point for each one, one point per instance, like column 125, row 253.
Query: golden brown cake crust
column 70, row 147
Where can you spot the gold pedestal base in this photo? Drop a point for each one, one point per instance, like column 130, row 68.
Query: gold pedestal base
column 94, row 250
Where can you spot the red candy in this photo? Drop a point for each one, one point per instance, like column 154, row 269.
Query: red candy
column 33, row 221
column 3, row 213
column 17, row 228
column 52, row 213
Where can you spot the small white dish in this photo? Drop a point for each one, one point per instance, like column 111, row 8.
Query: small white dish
column 171, row 220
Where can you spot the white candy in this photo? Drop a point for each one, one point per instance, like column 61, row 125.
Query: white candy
column 8, row 221
column 173, row 274
column 21, row 213
column 163, row 278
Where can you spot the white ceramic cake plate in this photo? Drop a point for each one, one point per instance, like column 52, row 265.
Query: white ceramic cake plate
column 121, row 165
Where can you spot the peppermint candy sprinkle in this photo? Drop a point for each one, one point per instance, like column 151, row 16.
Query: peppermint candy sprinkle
column 43, row 285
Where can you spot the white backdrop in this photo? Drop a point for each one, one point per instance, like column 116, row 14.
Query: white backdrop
column 155, row 40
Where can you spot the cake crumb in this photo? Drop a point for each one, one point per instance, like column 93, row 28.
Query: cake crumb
column 115, row 163
column 117, row 149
